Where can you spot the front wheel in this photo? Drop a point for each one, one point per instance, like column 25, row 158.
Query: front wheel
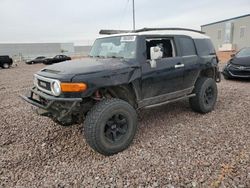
column 206, row 95
column 110, row 126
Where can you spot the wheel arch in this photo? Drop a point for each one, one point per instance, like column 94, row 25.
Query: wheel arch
column 126, row 92
column 208, row 72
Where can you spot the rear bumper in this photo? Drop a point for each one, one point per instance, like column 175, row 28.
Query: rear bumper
column 50, row 103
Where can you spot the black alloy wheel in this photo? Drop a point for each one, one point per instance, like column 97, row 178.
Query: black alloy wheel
column 116, row 128
column 110, row 126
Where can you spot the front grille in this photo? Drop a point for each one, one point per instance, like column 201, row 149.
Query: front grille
column 240, row 67
column 238, row 70
column 44, row 84
column 240, row 73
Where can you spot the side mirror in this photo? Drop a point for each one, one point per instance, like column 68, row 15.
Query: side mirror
column 155, row 53
column 232, row 55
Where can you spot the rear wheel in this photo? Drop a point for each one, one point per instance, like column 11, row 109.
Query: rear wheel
column 110, row 126
column 206, row 95
column 6, row 65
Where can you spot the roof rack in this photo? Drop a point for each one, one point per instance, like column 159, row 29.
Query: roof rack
column 111, row 32
column 169, row 29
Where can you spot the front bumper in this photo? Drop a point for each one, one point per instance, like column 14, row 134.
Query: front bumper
column 235, row 72
column 59, row 108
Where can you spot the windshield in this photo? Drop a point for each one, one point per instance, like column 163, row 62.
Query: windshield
column 244, row 53
column 115, row 47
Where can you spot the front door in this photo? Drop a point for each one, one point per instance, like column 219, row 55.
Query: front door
column 167, row 77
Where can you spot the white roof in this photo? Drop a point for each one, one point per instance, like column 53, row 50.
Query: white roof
column 192, row 34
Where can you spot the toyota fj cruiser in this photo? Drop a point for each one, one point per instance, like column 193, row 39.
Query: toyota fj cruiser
column 127, row 71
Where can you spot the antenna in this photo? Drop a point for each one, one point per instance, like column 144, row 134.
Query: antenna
column 133, row 15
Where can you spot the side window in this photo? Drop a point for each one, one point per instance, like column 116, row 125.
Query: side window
column 187, row 46
column 166, row 45
column 204, row 47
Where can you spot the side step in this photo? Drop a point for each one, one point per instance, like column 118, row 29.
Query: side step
column 169, row 101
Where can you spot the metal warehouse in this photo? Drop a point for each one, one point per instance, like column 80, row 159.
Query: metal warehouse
column 30, row 50
column 230, row 34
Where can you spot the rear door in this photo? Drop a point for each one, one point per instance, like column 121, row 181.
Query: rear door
column 190, row 60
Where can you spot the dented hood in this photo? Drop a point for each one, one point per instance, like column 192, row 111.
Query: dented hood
column 85, row 66
column 66, row 70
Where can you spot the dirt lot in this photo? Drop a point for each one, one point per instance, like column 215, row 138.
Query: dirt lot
column 174, row 147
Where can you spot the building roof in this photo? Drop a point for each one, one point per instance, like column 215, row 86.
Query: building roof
column 226, row 20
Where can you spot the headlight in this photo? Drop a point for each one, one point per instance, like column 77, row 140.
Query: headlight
column 56, row 88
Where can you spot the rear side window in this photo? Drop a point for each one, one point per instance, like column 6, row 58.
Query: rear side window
column 187, row 46
column 204, row 47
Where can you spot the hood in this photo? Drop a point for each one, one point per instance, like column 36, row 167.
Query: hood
column 243, row 61
column 82, row 67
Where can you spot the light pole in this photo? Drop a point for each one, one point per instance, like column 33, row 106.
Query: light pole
column 133, row 14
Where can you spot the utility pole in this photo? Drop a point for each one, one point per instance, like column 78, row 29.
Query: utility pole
column 133, row 14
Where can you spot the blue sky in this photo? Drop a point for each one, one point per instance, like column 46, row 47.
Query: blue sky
column 79, row 21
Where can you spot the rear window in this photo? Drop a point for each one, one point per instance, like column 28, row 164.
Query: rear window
column 187, row 46
column 204, row 47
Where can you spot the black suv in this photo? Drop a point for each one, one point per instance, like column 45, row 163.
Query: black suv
column 5, row 62
column 127, row 71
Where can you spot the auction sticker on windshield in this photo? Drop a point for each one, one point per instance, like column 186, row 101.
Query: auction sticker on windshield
column 128, row 38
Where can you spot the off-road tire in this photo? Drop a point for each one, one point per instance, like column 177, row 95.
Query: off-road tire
column 6, row 65
column 96, row 123
column 200, row 102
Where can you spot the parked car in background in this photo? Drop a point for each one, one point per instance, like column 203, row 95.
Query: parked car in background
column 39, row 59
column 239, row 65
column 56, row 59
column 5, row 61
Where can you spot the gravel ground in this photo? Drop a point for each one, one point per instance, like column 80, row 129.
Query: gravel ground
column 174, row 147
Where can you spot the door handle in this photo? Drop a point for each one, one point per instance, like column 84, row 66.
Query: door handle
column 179, row 66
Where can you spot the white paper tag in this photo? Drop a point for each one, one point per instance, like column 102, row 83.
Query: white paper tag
column 128, row 38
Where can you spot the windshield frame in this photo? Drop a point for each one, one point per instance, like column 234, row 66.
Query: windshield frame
column 133, row 50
